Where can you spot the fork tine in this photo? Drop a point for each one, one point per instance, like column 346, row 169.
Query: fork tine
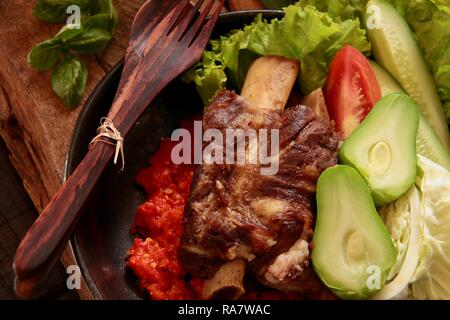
column 195, row 29
column 185, row 20
column 168, row 22
column 177, row 13
column 146, row 19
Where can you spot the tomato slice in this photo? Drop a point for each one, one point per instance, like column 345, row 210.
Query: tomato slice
column 351, row 90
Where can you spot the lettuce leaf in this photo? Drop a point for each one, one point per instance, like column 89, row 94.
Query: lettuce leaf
column 305, row 34
column 341, row 9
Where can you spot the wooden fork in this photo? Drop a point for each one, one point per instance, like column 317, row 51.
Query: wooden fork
column 167, row 37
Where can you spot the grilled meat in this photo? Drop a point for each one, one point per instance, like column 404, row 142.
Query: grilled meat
column 236, row 212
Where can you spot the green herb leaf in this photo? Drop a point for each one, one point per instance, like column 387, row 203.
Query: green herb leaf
column 54, row 11
column 66, row 34
column 66, row 3
column 69, row 80
column 44, row 55
column 49, row 13
column 90, row 41
column 107, row 7
column 100, row 21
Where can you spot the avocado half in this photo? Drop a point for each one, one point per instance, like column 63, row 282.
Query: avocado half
column 353, row 251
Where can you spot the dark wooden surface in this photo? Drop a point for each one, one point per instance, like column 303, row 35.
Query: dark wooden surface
column 17, row 213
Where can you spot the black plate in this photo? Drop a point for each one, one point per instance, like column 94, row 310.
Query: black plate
column 103, row 237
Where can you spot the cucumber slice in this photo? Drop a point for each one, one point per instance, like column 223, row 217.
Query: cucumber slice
column 427, row 143
column 395, row 48
column 385, row 80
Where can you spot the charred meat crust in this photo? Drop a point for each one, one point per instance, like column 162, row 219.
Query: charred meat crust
column 236, row 212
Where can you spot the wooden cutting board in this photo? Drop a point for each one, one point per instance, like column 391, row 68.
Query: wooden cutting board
column 35, row 125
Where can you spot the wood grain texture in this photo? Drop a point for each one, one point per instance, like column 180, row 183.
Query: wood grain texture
column 236, row 5
column 17, row 214
column 35, row 125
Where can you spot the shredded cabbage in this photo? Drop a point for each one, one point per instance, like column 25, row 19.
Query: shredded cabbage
column 432, row 278
column 432, row 268
column 403, row 217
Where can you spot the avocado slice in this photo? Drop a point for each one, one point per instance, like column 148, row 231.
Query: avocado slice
column 383, row 147
column 352, row 249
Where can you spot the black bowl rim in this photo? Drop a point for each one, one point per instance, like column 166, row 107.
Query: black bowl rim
column 96, row 94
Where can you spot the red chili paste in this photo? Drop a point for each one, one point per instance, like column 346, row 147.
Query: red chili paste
column 160, row 222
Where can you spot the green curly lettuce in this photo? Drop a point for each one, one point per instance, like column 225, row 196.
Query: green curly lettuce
column 305, row 34
column 341, row 9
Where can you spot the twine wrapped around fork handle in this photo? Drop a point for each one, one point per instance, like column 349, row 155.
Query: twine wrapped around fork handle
column 107, row 133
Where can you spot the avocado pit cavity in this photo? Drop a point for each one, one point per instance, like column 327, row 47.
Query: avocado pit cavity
column 380, row 158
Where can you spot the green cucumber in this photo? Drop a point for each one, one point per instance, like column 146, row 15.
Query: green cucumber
column 395, row 48
column 427, row 143
column 387, row 83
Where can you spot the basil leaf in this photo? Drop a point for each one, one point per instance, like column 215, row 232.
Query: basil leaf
column 69, row 80
column 49, row 13
column 54, row 11
column 100, row 21
column 66, row 34
column 44, row 55
column 90, row 41
column 66, row 3
column 107, row 7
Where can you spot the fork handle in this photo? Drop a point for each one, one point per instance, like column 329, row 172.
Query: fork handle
column 46, row 239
